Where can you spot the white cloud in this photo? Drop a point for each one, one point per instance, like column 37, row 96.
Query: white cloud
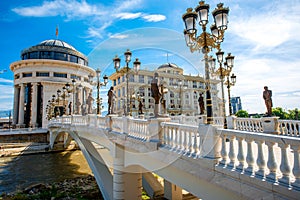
column 95, row 13
column 154, row 18
column 119, row 36
column 128, row 15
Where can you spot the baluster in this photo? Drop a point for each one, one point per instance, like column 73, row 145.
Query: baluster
column 175, row 138
column 224, row 152
column 179, row 146
column 184, row 148
column 250, row 159
column 296, row 169
column 272, row 164
column 241, row 156
column 190, row 147
column 167, row 135
column 260, row 161
column 232, row 154
column 285, row 166
column 195, row 144
column 171, row 137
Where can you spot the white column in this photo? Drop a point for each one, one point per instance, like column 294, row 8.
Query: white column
column 261, row 163
column 34, row 105
column 296, row 169
column 21, row 105
column 16, row 104
column 126, row 185
column 285, row 167
column 172, row 191
column 241, row 155
column 272, row 164
column 250, row 158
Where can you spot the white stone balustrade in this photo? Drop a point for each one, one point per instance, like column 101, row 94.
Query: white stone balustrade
column 262, row 156
column 284, row 127
column 182, row 138
column 139, row 129
column 270, row 157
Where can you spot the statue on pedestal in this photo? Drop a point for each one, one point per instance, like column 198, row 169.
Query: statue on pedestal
column 267, row 95
column 155, row 92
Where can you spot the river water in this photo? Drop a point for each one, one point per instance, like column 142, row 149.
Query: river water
column 18, row 172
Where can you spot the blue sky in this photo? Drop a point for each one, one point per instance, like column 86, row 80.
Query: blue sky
column 262, row 35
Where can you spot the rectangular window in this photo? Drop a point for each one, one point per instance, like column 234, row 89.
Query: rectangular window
column 131, row 78
column 73, row 59
column 119, row 80
column 150, row 79
column 34, row 55
column 194, row 84
column 80, row 61
column 115, row 82
column 45, row 54
column 44, row 74
column 171, row 81
column 141, row 79
column 73, row 76
column 60, row 56
column 119, row 92
column 59, row 75
column 27, row 74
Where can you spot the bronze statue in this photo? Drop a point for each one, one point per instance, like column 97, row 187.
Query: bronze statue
column 201, row 104
column 155, row 93
column 110, row 95
column 89, row 102
column 140, row 107
column 154, row 88
column 70, row 108
column 267, row 95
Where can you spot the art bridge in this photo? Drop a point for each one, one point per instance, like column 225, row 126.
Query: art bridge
column 183, row 158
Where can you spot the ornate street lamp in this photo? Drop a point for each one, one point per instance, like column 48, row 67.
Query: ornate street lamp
column 99, row 84
column 126, row 70
column 229, row 84
column 222, row 72
column 205, row 41
column 73, row 95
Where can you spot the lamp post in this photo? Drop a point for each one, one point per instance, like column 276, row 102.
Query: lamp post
column 73, row 95
column 205, row 41
column 99, row 84
column 126, row 70
column 229, row 84
column 180, row 95
column 222, row 72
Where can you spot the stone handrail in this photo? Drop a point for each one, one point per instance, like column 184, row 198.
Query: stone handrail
column 265, row 157
column 260, row 125
column 181, row 138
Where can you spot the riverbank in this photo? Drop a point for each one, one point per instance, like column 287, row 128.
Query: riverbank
column 70, row 189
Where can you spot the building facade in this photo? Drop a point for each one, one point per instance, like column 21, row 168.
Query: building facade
column 182, row 94
column 236, row 104
column 42, row 71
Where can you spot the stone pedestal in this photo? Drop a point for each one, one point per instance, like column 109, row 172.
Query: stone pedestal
column 211, row 144
column 202, row 119
column 270, row 125
column 231, row 122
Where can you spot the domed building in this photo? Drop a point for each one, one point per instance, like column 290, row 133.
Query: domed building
column 181, row 98
column 51, row 77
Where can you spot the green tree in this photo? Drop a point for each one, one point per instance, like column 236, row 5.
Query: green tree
column 279, row 112
column 242, row 113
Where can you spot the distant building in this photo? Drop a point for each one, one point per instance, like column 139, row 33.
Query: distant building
column 236, row 104
column 181, row 98
column 42, row 70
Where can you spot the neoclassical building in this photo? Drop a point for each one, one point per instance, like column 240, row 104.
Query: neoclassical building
column 42, row 70
column 181, row 98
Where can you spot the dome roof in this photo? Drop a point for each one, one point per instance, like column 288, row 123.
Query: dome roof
column 169, row 65
column 54, row 49
column 57, row 43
